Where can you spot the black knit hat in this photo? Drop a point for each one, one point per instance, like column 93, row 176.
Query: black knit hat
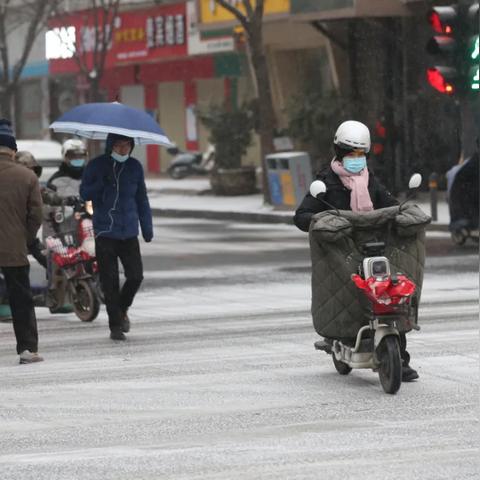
column 7, row 138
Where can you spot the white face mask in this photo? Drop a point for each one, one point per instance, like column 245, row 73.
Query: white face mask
column 120, row 158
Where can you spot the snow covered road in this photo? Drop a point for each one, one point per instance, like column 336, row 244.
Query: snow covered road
column 219, row 378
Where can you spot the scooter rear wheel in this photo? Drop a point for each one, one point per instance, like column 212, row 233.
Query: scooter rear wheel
column 177, row 173
column 390, row 368
column 341, row 367
column 85, row 301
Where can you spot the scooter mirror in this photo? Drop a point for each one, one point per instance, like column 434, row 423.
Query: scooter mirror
column 415, row 181
column 317, row 187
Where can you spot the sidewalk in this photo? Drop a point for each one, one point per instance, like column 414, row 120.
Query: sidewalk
column 191, row 198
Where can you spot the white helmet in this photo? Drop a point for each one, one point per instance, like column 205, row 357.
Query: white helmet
column 74, row 145
column 352, row 134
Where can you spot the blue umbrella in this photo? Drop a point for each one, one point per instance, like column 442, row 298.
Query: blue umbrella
column 97, row 120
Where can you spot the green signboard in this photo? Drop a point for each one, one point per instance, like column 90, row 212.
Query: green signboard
column 308, row 6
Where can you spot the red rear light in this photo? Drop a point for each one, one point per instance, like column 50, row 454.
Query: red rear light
column 438, row 81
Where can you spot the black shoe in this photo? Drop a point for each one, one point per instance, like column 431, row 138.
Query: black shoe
column 118, row 335
column 408, row 374
column 324, row 345
column 125, row 323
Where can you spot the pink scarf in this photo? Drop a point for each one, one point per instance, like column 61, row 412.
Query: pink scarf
column 360, row 200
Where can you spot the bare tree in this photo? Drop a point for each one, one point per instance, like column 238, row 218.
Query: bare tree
column 93, row 43
column 31, row 16
column 252, row 23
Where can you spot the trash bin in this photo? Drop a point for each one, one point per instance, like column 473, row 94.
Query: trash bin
column 289, row 177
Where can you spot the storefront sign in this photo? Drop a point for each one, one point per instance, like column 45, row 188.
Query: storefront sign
column 141, row 35
column 196, row 44
column 212, row 12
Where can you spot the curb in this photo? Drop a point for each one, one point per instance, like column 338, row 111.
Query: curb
column 247, row 217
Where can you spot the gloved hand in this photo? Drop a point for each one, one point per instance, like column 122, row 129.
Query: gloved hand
column 71, row 200
column 148, row 238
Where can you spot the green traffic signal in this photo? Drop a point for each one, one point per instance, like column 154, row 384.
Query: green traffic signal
column 475, row 75
column 476, row 48
column 475, row 71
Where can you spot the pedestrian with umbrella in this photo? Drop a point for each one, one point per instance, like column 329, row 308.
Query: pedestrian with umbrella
column 115, row 183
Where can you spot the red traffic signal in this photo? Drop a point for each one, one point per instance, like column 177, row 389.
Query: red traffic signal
column 442, row 19
column 440, row 78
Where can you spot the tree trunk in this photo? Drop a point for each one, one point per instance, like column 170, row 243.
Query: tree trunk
column 94, row 93
column 6, row 103
column 265, row 104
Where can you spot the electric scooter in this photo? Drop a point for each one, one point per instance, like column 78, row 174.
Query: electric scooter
column 394, row 309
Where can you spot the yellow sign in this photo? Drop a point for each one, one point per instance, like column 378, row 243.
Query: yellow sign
column 212, row 12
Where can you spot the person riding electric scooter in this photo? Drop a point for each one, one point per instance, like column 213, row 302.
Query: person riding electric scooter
column 350, row 185
column 65, row 182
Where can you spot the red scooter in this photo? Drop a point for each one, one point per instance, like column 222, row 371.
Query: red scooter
column 72, row 267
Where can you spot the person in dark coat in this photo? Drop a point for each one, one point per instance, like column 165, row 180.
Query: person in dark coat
column 463, row 198
column 115, row 184
column 21, row 214
column 351, row 186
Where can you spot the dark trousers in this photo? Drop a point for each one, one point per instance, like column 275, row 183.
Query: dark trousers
column 403, row 349
column 108, row 252
column 20, row 298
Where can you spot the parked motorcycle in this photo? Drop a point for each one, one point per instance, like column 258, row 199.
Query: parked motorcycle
column 185, row 164
column 390, row 299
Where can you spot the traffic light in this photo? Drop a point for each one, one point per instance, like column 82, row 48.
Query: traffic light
column 456, row 47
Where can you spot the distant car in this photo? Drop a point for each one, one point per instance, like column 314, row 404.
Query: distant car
column 48, row 154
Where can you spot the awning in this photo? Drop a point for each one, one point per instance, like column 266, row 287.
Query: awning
column 313, row 10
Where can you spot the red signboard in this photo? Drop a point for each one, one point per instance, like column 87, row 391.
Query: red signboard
column 138, row 36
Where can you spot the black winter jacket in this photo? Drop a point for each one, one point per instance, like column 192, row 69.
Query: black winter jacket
column 339, row 196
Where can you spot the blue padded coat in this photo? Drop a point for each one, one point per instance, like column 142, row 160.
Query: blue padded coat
column 119, row 197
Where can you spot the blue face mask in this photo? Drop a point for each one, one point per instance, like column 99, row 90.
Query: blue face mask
column 354, row 164
column 77, row 162
column 120, row 158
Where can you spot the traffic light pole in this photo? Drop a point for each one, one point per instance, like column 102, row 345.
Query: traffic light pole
column 470, row 127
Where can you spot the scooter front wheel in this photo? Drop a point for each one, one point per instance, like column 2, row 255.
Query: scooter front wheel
column 85, row 300
column 341, row 367
column 390, row 364
column 458, row 238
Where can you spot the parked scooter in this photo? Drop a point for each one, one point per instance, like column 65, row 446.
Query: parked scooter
column 185, row 164
column 393, row 297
